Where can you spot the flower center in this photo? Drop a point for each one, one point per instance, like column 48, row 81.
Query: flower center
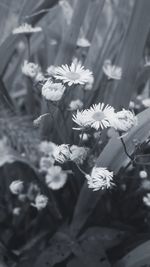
column 98, row 116
column 73, row 75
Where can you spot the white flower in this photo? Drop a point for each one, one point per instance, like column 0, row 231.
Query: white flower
column 124, row 120
column 56, row 177
column 146, row 200
column 61, row 153
column 100, row 178
column 47, row 148
column 30, row 69
column 83, row 42
column 46, row 163
column 78, row 154
column 16, row 211
column 146, row 102
column 143, row 174
column 51, row 70
column 89, row 85
column 80, row 118
column 99, row 116
column 75, row 104
column 73, row 74
column 112, row 71
column 16, row 187
column 40, row 202
column 26, row 29
column 53, row 91
column 39, row 77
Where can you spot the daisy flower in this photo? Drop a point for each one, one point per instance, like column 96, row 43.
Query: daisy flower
column 83, row 42
column 61, row 153
column 30, row 69
column 47, row 148
column 146, row 199
column 40, row 202
column 124, row 120
column 100, row 116
column 78, row 154
column 146, row 102
column 26, row 29
column 80, row 118
column 73, row 74
column 16, row 187
column 143, row 174
column 56, row 177
column 112, row 71
column 100, row 178
column 53, row 91
column 75, row 104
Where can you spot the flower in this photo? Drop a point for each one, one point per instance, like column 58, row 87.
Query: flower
column 56, row 177
column 146, row 200
column 40, row 202
column 112, row 71
column 16, row 187
column 99, row 116
column 83, row 42
column 143, row 174
column 78, row 154
column 73, row 74
column 100, row 178
column 80, row 118
column 47, row 148
column 146, row 102
column 89, row 85
column 61, row 153
column 124, row 120
column 30, row 69
column 75, row 104
column 45, row 163
column 26, row 29
column 51, row 70
column 16, row 211
column 53, row 91
column 39, row 77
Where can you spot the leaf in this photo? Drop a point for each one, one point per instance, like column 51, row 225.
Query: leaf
column 68, row 44
column 138, row 257
column 114, row 158
column 59, row 250
column 108, row 237
column 89, row 253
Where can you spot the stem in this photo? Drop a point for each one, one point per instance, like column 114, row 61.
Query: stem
column 125, row 149
column 30, row 95
column 83, row 172
column 81, row 138
column 58, row 130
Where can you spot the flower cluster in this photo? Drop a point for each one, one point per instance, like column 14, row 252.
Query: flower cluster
column 100, row 116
